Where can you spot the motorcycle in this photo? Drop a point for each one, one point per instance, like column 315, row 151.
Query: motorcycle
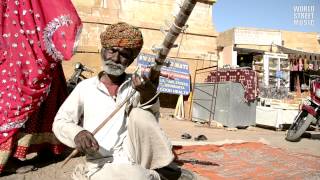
column 77, row 76
column 309, row 112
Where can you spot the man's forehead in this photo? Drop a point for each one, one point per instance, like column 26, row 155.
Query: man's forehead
column 132, row 51
column 121, row 49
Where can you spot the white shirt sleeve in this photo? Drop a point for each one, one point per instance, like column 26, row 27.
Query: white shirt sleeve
column 65, row 125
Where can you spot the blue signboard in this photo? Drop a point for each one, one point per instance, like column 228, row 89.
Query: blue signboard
column 177, row 78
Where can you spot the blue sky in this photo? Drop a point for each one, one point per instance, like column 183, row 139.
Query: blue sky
column 271, row 14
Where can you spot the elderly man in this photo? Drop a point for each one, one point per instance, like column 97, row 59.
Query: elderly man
column 131, row 145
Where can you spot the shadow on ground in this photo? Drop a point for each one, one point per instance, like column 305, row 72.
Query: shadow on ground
column 40, row 160
column 313, row 135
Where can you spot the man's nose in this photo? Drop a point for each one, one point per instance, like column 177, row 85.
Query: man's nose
column 116, row 56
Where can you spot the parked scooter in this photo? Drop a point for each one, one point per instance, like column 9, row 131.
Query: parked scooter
column 309, row 112
column 77, row 76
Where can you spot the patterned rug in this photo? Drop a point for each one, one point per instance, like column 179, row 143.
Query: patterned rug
column 247, row 161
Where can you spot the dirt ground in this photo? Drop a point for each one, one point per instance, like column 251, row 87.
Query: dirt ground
column 175, row 128
column 49, row 168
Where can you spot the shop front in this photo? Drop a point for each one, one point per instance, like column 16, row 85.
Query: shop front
column 283, row 73
column 303, row 65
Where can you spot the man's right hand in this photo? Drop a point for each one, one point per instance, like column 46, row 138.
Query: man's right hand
column 85, row 142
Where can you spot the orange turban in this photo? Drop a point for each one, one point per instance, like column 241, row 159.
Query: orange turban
column 121, row 35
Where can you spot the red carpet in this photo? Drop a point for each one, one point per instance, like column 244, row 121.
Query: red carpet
column 247, row 161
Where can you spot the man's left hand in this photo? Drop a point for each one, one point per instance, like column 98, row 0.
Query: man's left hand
column 148, row 87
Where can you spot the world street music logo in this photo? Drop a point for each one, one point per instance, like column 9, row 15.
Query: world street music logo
column 303, row 15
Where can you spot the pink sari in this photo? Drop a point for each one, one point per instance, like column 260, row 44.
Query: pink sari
column 35, row 36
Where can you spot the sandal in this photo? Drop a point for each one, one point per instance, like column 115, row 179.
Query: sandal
column 186, row 136
column 201, row 138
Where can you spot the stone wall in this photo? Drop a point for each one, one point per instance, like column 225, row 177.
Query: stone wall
column 306, row 41
column 197, row 44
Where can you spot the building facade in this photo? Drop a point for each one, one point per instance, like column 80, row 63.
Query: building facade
column 281, row 58
column 237, row 41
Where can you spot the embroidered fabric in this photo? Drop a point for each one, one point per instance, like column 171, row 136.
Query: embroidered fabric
column 49, row 30
column 33, row 40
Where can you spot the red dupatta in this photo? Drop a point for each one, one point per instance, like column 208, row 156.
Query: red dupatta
column 35, row 36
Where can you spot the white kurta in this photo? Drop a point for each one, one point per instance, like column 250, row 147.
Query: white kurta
column 91, row 99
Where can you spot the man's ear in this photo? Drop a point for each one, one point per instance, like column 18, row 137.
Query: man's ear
column 135, row 52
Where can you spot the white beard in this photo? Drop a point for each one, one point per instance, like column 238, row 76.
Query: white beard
column 113, row 69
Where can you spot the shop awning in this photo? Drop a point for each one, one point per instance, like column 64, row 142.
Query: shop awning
column 287, row 50
column 248, row 50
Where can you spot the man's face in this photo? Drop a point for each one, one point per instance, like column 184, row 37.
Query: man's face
column 116, row 59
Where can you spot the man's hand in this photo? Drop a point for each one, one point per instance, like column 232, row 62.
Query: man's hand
column 148, row 87
column 85, row 142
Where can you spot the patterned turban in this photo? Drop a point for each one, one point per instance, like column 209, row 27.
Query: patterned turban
column 121, row 35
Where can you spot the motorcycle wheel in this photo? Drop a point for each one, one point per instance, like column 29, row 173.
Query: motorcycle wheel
column 299, row 126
